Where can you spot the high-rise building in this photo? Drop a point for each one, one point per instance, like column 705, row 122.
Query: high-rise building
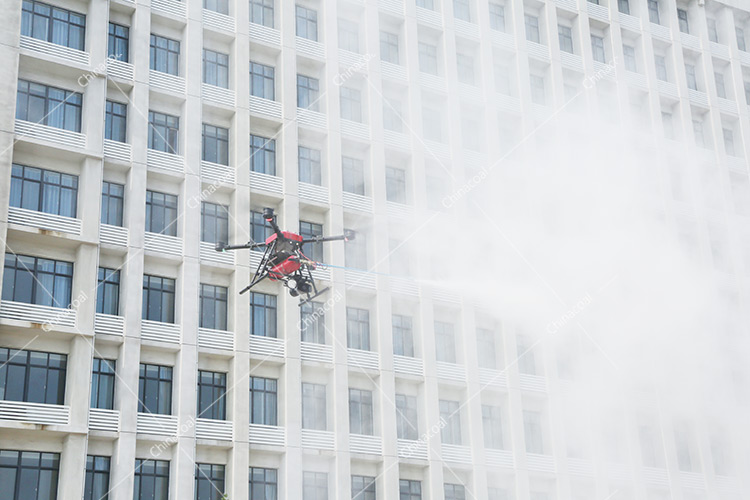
column 137, row 134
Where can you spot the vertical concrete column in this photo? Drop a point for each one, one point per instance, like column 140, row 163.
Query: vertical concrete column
column 72, row 466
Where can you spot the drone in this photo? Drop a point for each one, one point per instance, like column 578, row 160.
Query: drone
column 284, row 261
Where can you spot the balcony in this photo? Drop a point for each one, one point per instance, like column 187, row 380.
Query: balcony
column 218, row 95
column 222, row 430
column 630, row 22
column 163, row 244
column 160, row 160
column 355, row 129
column 492, row 378
column 55, row 136
column 698, row 98
column 65, row 54
column 312, row 193
column 156, row 331
column 395, row 7
column 429, row 17
column 540, row 463
column 433, row 82
column 357, row 202
column 113, row 235
column 456, row 453
column 659, row 31
column 598, row 12
column 622, row 472
column 361, row 279
column 566, row 4
column 169, row 7
column 580, row 467
column 451, row 372
column 503, row 40
column 115, row 150
column 265, row 35
column 445, row 295
column 726, row 105
column 532, row 383
column 370, row 445
column 364, row 360
column 412, row 449
column 267, row 347
column 508, row 103
column 571, row 61
column 667, row 89
column 656, row 476
column 719, row 50
column 466, row 29
column 320, row 353
column 393, row 72
column 104, row 420
column 396, row 140
column 150, row 423
column 499, row 458
column 267, row 183
column 404, row 286
column 318, row 440
column 537, row 50
column 310, row 48
column 164, row 82
column 44, row 221
column 120, row 70
column 46, row 316
column 408, row 365
column 210, row 255
column 108, row 324
column 267, row 435
column 690, row 41
column 265, row 107
column 34, row 413
column 217, row 174
column 312, row 119
column 744, row 57
column 437, row 149
column 215, row 339
column 352, row 62
column 636, row 80
column 217, row 21
column 470, row 92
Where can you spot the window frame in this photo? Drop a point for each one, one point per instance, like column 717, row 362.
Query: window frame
column 118, row 38
column 264, row 401
column 164, row 387
column 96, row 483
column 116, row 113
column 164, row 288
column 216, row 68
column 161, row 207
column 215, row 298
column 163, row 132
column 214, row 223
column 108, row 283
column 52, row 375
column 46, row 186
column 47, row 467
column 262, row 81
column 39, row 292
column 310, row 165
column 109, row 197
column 146, row 467
column 164, row 54
column 262, row 154
column 214, row 386
column 103, row 377
column 56, row 110
column 74, row 24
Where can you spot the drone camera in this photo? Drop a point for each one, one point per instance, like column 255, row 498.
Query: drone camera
column 268, row 213
column 349, row 235
column 220, row 246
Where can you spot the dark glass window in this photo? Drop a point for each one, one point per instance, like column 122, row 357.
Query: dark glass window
column 565, row 38
column 309, row 165
column 493, row 427
column 53, row 24
column 307, row 23
column 115, row 122
column 264, row 483
column 445, row 342
column 113, row 196
column 213, row 307
column 355, row 252
column 312, row 323
column 358, row 328
column 261, row 12
column 449, row 413
column 623, row 6
column 151, row 479
column 158, row 298
column 497, row 17
column 403, row 337
column 682, row 17
column 407, row 419
column 34, row 280
column 395, row 185
column 215, row 144
column 209, row 482
column 118, row 42
column 628, row 51
column 538, row 92
column 165, row 55
column 597, row 49
column 360, row 412
column 532, row 431
column 353, row 175
column 43, row 190
column 350, row 101
column 532, row 28
column 314, row 486
column 214, row 223
column 161, row 213
column 409, row 490
column 308, row 92
column 216, row 68
column 163, row 132
column 32, row 376
column 259, row 228
column 314, row 251
column 51, row 106
column 263, row 314
column 486, row 350
column 220, row 6
column 262, row 81
column 263, row 401
column 454, row 491
column 462, row 10
column 155, row 389
column 212, row 395
column 262, row 155
column 428, row 62
column 363, row 488
column 29, row 475
column 103, row 384
column 389, row 47
column 314, row 407
column 108, row 291
column 96, row 486
column 653, row 11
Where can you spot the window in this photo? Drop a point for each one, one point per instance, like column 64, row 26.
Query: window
column 165, row 55
column 740, row 39
column 565, row 36
column 409, row 490
column 462, row 10
column 212, row 390
column 493, row 427
column 313, row 323
column 358, row 328
column 220, row 6
column 360, row 412
column 502, row 79
column 700, row 140
column 497, row 17
column 432, row 124
column 115, row 121
column 497, row 494
column 263, row 314
column 32, row 376
column 163, row 132
column 661, row 67
column 403, row 337
column 155, row 389
column 532, row 28
column 264, row 483
column 310, row 170
column 363, row 488
column 308, row 92
column 118, row 42
column 112, row 203
column 525, row 354
column 728, row 141
column 213, row 307
column 96, row 485
column 259, row 228
column 426, row 4
column 262, row 81
column 392, row 115
column 307, row 23
column 161, row 213
column 668, row 123
column 623, row 6
column 454, row 491
column 29, row 475
column 353, row 175
column 682, row 17
column 713, row 31
column 428, row 58
column 214, row 223
column 445, row 342
column 389, row 47
column 407, row 419
column 262, row 155
column 103, row 384
column 351, row 104
column 33, row 280
column 348, row 32
column 532, row 431
column 261, row 12
column 465, row 66
column 216, row 68
column 314, row 486
column 653, row 11
column 158, row 299
column 486, row 349
column 449, row 414
column 151, row 479
column 307, row 230
column 51, row 106
column 597, row 49
column 692, row 82
column 263, row 401
column 355, row 252
column 395, row 185
column 649, row 442
column 108, row 291
column 53, row 24
column 314, row 407
column 209, row 482
column 43, row 190
column 628, row 52
column 538, row 93
column 721, row 89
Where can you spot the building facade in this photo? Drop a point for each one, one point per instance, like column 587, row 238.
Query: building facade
column 136, row 135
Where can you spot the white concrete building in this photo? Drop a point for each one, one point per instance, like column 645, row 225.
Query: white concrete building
column 346, row 107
